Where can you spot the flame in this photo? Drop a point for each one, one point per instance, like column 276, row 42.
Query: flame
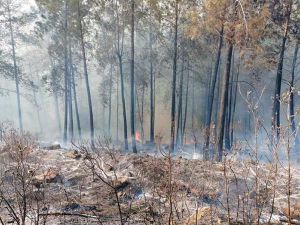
column 138, row 136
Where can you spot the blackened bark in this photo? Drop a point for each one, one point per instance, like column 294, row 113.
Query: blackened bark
column 211, row 98
column 223, row 104
column 151, row 92
column 123, row 102
column 229, row 109
column 276, row 100
column 173, row 107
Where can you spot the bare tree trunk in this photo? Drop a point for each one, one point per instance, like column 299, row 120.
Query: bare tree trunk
column 276, row 101
column 55, row 95
column 57, row 111
column 142, row 122
column 211, row 97
column 75, row 94
column 235, row 101
column 16, row 75
column 123, row 103
column 117, row 110
column 291, row 103
column 70, row 100
column 86, row 76
column 223, row 104
column 173, row 107
column 186, row 102
column 179, row 107
column 229, row 109
column 132, row 81
column 110, row 99
column 151, row 92
column 66, row 72
column 119, row 50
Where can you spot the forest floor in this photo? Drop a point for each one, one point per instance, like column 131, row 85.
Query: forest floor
column 72, row 186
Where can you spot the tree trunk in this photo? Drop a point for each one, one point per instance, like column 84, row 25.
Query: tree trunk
column 117, row 120
column 66, row 71
column 142, row 122
column 86, row 76
column 179, row 107
column 70, row 100
column 123, row 102
column 276, row 101
column 57, row 111
column 211, row 98
column 186, row 102
column 292, row 107
column 151, row 92
column 110, row 99
column 229, row 109
column 223, row 104
column 75, row 94
column 55, row 95
column 173, row 107
column 132, row 82
column 235, row 101
column 16, row 75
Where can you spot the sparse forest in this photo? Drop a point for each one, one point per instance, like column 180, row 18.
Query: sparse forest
column 176, row 112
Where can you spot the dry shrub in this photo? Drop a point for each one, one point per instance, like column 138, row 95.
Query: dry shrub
column 20, row 199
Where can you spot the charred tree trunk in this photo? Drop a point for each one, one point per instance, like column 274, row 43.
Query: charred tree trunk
column 229, row 109
column 123, row 102
column 132, row 81
column 119, row 48
column 173, row 107
column 186, row 102
column 86, row 76
column 276, row 101
column 211, row 98
column 151, row 92
column 179, row 108
column 223, row 104
column 16, row 74
column 291, row 103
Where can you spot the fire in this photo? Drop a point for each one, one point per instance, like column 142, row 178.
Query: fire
column 138, row 136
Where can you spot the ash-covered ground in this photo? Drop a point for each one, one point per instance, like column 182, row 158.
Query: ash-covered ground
column 51, row 185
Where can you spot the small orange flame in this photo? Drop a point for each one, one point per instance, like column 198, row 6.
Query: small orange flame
column 138, row 136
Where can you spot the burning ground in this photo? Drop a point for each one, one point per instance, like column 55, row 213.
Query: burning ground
column 51, row 185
